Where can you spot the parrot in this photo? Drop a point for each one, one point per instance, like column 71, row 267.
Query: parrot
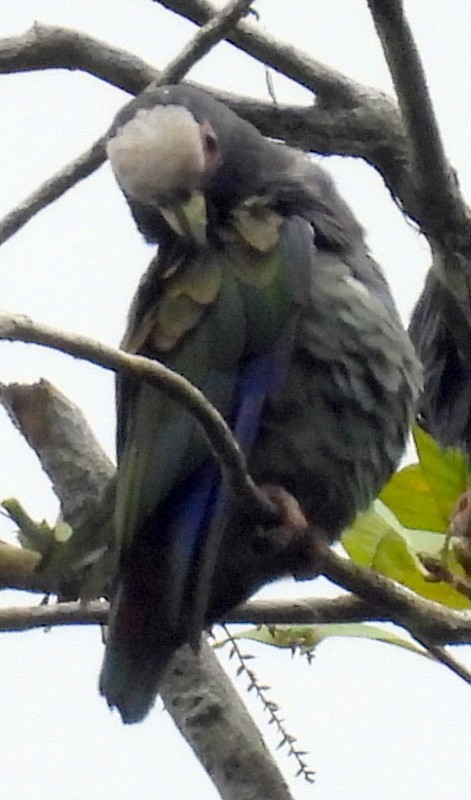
column 264, row 295
column 442, row 339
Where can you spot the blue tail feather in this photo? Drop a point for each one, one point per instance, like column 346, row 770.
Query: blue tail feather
column 176, row 558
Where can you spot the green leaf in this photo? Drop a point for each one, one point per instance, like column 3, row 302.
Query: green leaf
column 361, row 539
column 396, row 559
column 374, row 541
column 32, row 535
column 307, row 637
column 424, row 541
column 410, row 497
column 423, row 495
column 446, row 471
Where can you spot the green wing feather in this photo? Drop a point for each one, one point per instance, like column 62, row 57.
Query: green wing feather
column 212, row 311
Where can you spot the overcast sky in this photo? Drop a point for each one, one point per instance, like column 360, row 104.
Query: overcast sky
column 378, row 723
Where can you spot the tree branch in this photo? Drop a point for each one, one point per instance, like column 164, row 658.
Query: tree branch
column 434, row 194
column 49, row 47
column 330, row 84
column 53, row 188
column 371, row 130
column 196, row 692
column 207, row 37
column 431, row 174
column 442, row 625
column 219, row 436
column 211, row 716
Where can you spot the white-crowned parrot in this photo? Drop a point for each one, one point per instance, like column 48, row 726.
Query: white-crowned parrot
column 264, row 295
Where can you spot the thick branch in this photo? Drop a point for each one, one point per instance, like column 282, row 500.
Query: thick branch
column 64, row 450
column 197, row 693
column 201, row 700
column 48, row 47
column 300, row 67
column 434, row 195
column 431, row 174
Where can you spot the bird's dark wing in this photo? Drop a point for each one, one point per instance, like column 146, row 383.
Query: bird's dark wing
column 219, row 319
column 442, row 339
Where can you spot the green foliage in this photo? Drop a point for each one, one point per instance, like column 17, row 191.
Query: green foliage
column 423, row 495
column 305, row 638
column 69, row 563
column 411, row 520
column 394, row 551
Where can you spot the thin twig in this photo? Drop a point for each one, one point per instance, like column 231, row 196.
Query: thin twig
column 441, row 655
column 224, row 446
column 53, row 188
column 271, row 708
column 413, row 612
column 207, row 37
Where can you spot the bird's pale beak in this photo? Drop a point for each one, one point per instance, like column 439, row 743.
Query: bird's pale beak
column 188, row 219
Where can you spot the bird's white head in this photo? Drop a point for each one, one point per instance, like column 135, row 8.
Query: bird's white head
column 158, row 154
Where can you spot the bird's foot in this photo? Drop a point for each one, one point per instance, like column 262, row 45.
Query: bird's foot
column 294, row 538
column 289, row 511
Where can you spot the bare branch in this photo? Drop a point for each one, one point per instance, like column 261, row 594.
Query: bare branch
column 431, row 175
column 48, row 47
column 33, row 410
column 432, row 195
column 207, row 37
column 53, row 615
column 301, row 68
column 196, row 692
column 428, row 619
column 307, row 611
column 372, row 130
column 303, row 611
column 440, row 624
column 219, row 436
column 53, row 188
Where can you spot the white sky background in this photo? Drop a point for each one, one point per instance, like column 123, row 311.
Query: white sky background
column 379, row 723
